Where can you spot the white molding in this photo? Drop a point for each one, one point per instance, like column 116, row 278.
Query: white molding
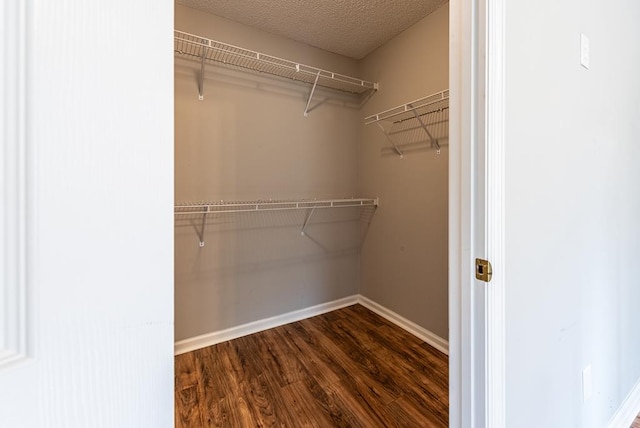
column 209, row 339
column 628, row 410
column 420, row 332
column 202, row 341
column 463, row 87
column 455, row 238
column 14, row 328
column 494, row 120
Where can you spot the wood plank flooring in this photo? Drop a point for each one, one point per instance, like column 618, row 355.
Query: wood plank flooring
column 636, row 423
column 347, row 368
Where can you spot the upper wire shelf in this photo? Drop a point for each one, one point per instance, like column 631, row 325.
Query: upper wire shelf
column 212, row 51
column 428, row 115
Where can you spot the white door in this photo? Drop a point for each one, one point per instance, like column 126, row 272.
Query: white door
column 86, row 222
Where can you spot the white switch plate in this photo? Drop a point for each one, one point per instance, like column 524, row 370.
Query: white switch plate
column 584, row 51
column 587, row 383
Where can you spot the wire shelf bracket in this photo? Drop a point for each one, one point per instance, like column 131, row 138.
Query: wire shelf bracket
column 390, row 140
column 201, row 76
column 212, row 51
column 416, row 110
column 222, row 207
column 313, row 89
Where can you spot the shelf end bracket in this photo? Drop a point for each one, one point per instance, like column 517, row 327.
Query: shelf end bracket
column 306, row 109
column 306, row 221
column 201, row 77
column 434, row 142
column 200, row 232
column 395, row 147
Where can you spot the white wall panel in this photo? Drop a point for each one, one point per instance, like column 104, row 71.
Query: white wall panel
column 572, row 210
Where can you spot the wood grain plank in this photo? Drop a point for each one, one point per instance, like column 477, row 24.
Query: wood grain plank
column 188, row 413
column 308, row 411
column 186, row 375
column 242, row 413
column 358, row 358
column 408, row 415
column 366, row 413
column 423, row 381
column 259, row 386
column 317, row 361
column 410, row 363
column 217, row 389
column 358, row 371
column 187, row 395
column 283, row 362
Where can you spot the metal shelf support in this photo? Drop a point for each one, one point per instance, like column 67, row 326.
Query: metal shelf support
column 396, row 148
column 313, row 89
column 434, row 142
column 201, row 77
column 306, row 221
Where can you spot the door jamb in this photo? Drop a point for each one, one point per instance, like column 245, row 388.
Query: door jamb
column 476, row 174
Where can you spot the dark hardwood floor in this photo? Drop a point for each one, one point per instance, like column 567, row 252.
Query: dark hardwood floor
column 347, row 368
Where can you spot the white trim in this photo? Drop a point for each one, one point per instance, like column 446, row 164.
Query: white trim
column 464, row 329
column 420, row 332
column 14, row 324
column 202, row 341
column 494, row 120
column 456, row 244
column 628, row 410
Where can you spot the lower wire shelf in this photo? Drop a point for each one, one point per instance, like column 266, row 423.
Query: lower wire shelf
column 220, row 207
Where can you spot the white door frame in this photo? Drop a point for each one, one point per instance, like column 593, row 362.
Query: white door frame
column 476, row 213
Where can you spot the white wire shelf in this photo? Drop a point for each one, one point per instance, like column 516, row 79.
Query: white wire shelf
column 427, row 115
column 425, row 105
column 223, row 207
column 247, row 206
column 212, row 51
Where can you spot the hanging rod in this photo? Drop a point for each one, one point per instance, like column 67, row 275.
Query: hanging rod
column 260, row 206
column 212, row 51
column 416, row 110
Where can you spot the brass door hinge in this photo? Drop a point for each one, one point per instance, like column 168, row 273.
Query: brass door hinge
column 483, row 270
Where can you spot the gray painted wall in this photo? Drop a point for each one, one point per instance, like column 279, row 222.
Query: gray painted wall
column 249, row 140
column 404, row 258
column 573, row 210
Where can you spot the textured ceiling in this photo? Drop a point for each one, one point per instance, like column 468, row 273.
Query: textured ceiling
column 348, row 27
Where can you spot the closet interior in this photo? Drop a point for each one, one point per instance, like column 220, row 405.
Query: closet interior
column 306, row 181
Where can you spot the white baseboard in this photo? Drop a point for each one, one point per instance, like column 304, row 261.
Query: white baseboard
column 628, row 410
column 420, row 332
column 202, row 341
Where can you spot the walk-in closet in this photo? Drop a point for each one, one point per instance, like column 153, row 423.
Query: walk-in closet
column 311, row 183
